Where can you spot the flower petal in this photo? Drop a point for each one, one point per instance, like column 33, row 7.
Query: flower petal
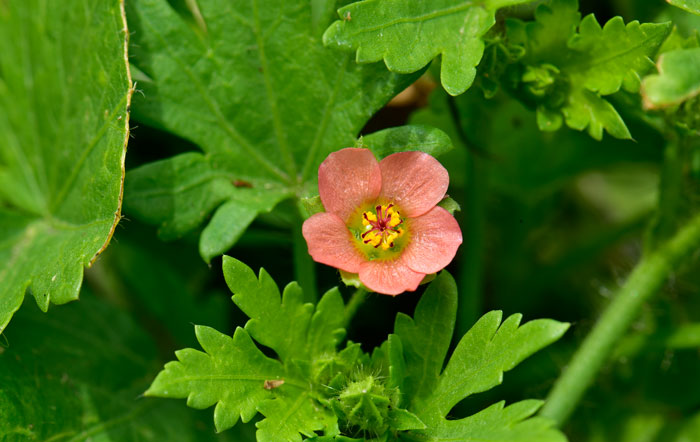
column 414, row 181
column 346, row 179
column 389, row 277
column 330, row 242
column 435, row 237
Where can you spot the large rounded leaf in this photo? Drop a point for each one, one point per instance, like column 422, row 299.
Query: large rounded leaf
column 64, row 108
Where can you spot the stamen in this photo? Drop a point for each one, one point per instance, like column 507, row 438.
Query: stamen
column 382, row 226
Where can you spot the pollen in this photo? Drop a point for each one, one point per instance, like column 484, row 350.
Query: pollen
column 382, row 227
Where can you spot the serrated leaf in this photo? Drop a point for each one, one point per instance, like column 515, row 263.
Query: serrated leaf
column 279, row 322
column 426, row 338
column 688, row 5
column 287, row 417
column 487, row 350
column 407, row 35
column 678, row 79
column 476, row 365
column 236, row 376
column 570, row 64
column 616, row 55
column 586, row 109
column 231, row 374
column 426, row 139
column 67, row 376
column 242, row 92
column 64, row 98
column 496, row 423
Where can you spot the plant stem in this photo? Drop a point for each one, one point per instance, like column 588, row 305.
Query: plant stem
column 353, row 305
column 471, row 261
column 645, row 280
column 670, row 193
column 304, row 266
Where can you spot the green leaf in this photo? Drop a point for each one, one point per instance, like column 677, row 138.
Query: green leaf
column 553, row 158
column 678, row 79
column 426, row 338
column 616, row 55
column 236, row 376
column 242, row 91
column 450, row 205
column 495, row 423
column 185, row 188
column 326, row 328
column 688, row 5
column 476, row 365
column 570, row 64
column 67, row 376
column 586, row 109
column 310, row 206
column 407, row 138
column 288, row 416
column 231, row 374
column 407, row 35
column 484, row 353
column 402, row 420
column 280, row 323
column 64, row 99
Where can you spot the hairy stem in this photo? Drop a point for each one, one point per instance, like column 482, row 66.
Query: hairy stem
column 353, row 305
column 304, row 266
column 645, row 280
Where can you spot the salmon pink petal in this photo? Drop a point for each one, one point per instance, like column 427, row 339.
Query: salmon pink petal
column 348, row 178
column 389, row 277
column 330, row 242
column 414, row 181
column 435, row 237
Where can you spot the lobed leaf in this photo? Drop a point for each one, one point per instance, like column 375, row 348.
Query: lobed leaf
column 64, row 111
column 287, row 417
column 230, row 374
column 570, row 64
column 236, row 376
column 240, row 89
column 279, row 322
column 426, row 338
column 407, row 35
column 678, row 79
column 476, row 365
column 496, row 423
column 485, row 352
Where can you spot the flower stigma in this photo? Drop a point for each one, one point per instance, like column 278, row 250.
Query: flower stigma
column 381, row 227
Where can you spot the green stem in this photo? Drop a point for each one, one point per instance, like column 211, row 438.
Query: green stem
column 670, row 193
column 471, row 262
column 353, row 305
column 645, row 280
column 304, row 266
column 471, row 259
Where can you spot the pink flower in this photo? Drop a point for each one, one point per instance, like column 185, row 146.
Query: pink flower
column 381, row 218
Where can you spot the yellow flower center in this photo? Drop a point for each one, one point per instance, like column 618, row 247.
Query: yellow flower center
column 382, row 226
